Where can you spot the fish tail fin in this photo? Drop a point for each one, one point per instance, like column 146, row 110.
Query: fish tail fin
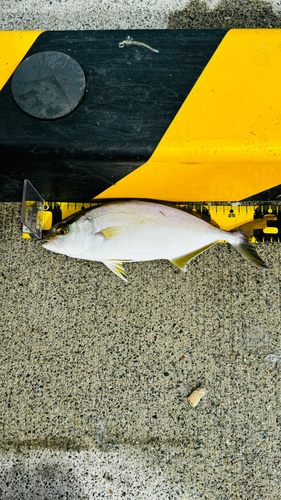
column 243, row 246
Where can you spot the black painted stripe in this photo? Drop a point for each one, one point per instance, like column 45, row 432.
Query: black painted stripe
column 268, row 196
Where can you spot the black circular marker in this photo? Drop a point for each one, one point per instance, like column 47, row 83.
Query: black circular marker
column 48, row 85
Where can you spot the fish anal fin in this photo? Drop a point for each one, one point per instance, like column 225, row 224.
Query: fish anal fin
column 109, row 232
column 116, row 267
column 182, row 261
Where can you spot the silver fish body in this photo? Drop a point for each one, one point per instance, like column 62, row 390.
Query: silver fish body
column 133, row 231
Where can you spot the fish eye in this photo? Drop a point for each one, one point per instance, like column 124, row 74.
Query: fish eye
column 62, row 230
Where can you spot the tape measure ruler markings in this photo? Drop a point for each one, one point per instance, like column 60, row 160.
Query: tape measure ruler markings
column 228, row 217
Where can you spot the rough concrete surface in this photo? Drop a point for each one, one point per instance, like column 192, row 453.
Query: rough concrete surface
column 226, row 14
column 95, row 373
column 95, row 376
column 140, row 14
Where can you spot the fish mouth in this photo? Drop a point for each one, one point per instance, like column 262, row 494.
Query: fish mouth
column 49, row 244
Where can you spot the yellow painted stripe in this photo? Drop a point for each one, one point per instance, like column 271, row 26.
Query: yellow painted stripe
column 225, row 142
column 13, row 47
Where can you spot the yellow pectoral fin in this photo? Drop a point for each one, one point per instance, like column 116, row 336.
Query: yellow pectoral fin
column 109, row 232
column 181, row 262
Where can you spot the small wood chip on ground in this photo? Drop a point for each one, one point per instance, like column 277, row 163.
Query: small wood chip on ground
column 196, row 395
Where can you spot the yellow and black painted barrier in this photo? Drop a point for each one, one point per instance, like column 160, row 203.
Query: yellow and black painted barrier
column 196, row 119
column 224, row 144
column 185, row 116
column 129, row 97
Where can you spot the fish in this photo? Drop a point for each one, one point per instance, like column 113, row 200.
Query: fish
column 118, row 232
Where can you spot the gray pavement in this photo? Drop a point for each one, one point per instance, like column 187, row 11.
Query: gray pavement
column 95, row 373
column 140, row 14
column 95, row 376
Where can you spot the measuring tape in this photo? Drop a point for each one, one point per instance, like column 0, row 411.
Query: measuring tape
column 227, row 217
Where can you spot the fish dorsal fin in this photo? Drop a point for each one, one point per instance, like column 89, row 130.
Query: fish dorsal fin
column 181, row 262
column 116, row 267
column 109, row 232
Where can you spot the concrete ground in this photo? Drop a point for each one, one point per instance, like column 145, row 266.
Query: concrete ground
column 138, row 14
column 95, row 373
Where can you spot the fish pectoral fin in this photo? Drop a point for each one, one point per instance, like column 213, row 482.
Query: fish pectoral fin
column 109, row 232
column 181, row 262
column 116, row 267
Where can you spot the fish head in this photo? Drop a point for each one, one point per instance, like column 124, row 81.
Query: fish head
column 60, row 238
column 67, row 236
